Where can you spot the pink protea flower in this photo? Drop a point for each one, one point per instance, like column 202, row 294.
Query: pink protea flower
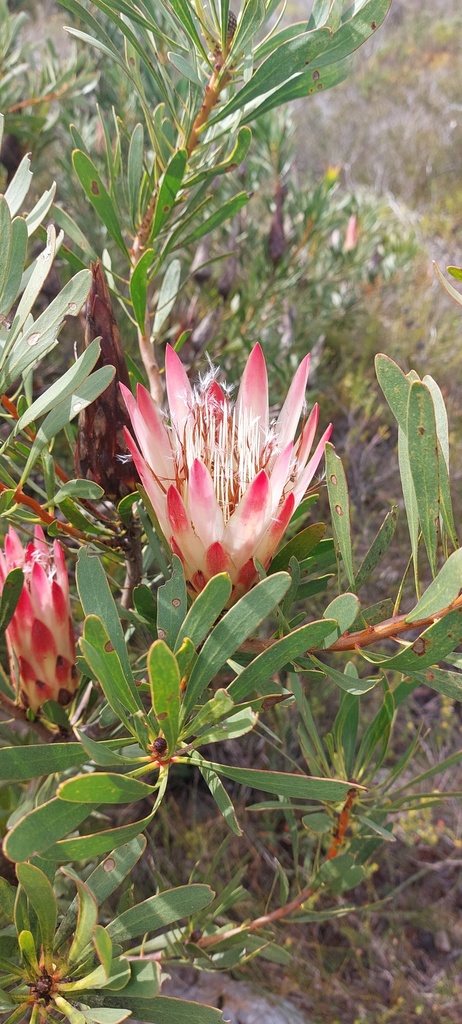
column 40, row 636
column 222, row 480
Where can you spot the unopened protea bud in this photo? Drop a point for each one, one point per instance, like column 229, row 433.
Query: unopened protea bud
column 40, row 637
column 232, row 24
column 101, row 452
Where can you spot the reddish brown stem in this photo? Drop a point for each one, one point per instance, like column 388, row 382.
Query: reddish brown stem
column 216, row 83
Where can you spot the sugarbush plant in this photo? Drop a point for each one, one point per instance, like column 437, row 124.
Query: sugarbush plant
column 191, row 615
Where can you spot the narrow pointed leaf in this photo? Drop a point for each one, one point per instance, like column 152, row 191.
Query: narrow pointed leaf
column 423, row 458
column 103, row 881
column 205, row 610
column 279, row 654
column 104, row 788
column 41, row 897
column 169, row 188
column 159, row 911
column 303, row 787
column 339, row 502
column 38, row 829
column 239, row 623
column 97, row 599
column 12, row 588
column 87, row 918
column 97, row 194
column 172, row 605
column 165, row 680
column 378, row 547
column 442, row 591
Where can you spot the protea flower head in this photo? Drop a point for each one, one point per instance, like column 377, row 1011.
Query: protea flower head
column 40, row 636
column 223, row 480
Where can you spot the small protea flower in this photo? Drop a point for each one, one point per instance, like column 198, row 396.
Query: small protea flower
column 223, row 480
column 40, row 637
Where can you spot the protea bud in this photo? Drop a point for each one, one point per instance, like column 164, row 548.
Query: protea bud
column 222, row 480
column 232, row 24
column 101, row 451
column 40, row 636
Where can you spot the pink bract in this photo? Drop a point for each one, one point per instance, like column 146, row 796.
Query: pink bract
column 40, row 636
column 224, row 481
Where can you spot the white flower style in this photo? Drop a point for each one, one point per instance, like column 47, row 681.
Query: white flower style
column 222, row 480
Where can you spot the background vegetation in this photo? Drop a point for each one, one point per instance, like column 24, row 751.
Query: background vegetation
column 384, row 149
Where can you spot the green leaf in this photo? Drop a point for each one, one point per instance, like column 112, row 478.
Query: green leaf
column 103, row 947
column 298, row 547
column 15, row 266
column 232, row 161
column 11, row 592
column 40, row 210
column 337, row 490
column 19, row 186
column 164, row 680
column 240, row 622
column 104, row 1015
column 167, row 295
column 42, row 826
column 60, row 416
column 159, row 911
column 441, row 680
column 167, row 1009
column 431, row 646
column 302, row 787
column 172, row 604
column 344, row 609
column 395, row 387
column 219, row 705
column 41, row 897
column 73, row 1015
column 102, row 882
column 290, row 58
column 86, row 922
column 144, row 981
column 307, row 83
column 170, row 185
column 118, row 976
column 119, row 690
column 205, row 610
column 96, row 599
column 226, row 211
column 104, row 788
column 222, row 800
column 442, row 591
column 423, row 458
column 79, row 489
column 63, row 388
column 29, row 954
column 279, row 654
column 139, row 287
column 96, row 192
column 135, row 170
column 455, row 272
column 378, row 547
column 410, row 500
column 95, row 845
column 448, row 287
column 351, row 684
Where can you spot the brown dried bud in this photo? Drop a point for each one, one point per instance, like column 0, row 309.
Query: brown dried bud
column 159, row 746
column 101, row 450
column 232, row 24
